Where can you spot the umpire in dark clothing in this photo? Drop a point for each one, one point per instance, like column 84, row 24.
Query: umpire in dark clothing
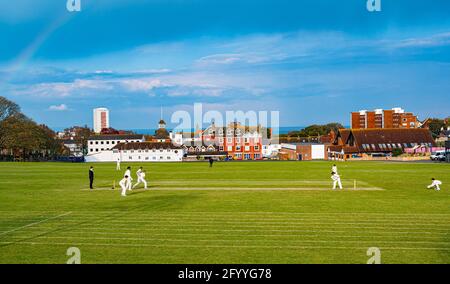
column 91, row 177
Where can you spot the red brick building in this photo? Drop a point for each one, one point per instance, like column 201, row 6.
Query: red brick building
column 394, row 118
column 239, row 141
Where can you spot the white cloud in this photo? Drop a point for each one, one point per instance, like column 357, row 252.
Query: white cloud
column 64, row 89
column 141, row 84
column 430, row 41
column 61, row 107
column 220, row 59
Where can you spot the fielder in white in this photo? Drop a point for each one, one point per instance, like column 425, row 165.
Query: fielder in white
column 334, row 169
column 129, row 178
column 435, row 184
column 336, row 180
column 123, row 185
column 118, row 164
column 140, row 178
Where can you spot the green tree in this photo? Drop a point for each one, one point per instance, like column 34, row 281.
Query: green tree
column 435, row 125
column 316, row 130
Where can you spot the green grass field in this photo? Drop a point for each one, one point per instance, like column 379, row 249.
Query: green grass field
column 247, row 212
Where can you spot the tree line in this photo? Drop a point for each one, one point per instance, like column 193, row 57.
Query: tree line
column 23, row 139
column 316, row 130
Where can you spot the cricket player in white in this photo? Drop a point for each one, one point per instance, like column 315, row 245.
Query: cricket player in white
column 129, row 178
column 123, row 185
column 334, row 169
column 140, row 178
column 118, row 164
column 336, row 180
column 435, row 184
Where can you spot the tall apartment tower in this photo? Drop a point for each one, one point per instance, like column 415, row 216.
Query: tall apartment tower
column 101, row 119
column 379, row 118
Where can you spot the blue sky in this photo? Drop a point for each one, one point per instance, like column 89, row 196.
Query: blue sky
column 315, row 61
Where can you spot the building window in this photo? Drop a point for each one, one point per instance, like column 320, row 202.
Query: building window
column 130, row 158
column 229, row 140
column 91, row 143
column 238, row 140
column 230, row 148
column 107, row 142
column 256, row 148
column 238, row 148
column 146, row 158
column 96, row 142
column 247, row 156
column 221, row 148
column 247, row 148
column 168, row 158
column 96, row 150
column 92, row 150
column 256, row 156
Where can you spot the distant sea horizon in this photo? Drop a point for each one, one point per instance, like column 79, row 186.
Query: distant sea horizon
column 151, row 131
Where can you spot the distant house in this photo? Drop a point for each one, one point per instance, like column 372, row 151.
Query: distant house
column 75, row 147
column 363, row 143
column 203, row 151
column 443, row 136
column 100, row 146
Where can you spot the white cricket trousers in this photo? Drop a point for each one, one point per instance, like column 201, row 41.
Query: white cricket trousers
column 124, row 189
column 337, row 182
column 139, row 181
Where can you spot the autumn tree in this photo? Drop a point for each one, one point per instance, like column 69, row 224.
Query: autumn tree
column 8, row 108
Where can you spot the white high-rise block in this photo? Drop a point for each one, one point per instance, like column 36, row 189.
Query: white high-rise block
column 101, row 119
